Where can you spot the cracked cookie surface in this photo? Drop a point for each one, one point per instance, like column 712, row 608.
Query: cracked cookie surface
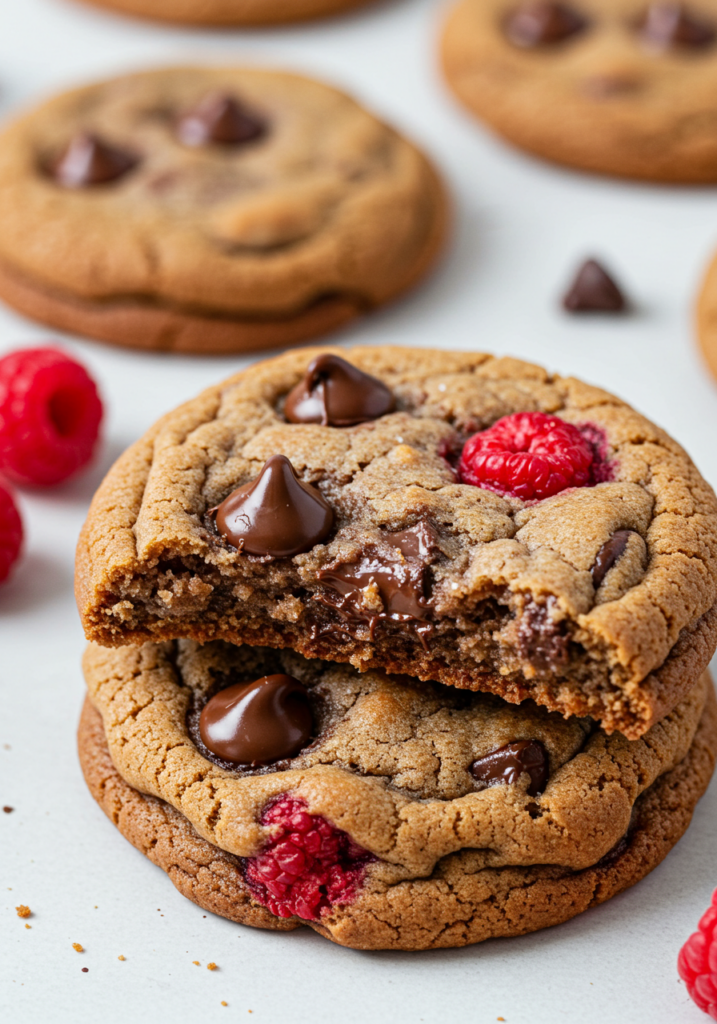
column 234, row 243
column 605, row 98
column 389, row 766
column 523, row 600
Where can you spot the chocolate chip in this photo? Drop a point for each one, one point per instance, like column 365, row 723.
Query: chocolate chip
column 87, row 161
column 277, row 514
column 541, row 640
column 670, row 25
column 337, row 394
column 503, row 767
column 219, row 119
column 543, row 24
column 258, row 722
column 611, row 551
column 419, row 541
column 594, row 291
column 8, row 810
column 84, row 970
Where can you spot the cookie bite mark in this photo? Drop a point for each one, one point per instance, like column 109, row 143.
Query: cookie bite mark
column 218, row 119
column 307, row 866
column 538, row 23
column 670, row 26
column 335, row 393
column 87, row 161
column 504, row 767
column 258, row 722
column 277, row 515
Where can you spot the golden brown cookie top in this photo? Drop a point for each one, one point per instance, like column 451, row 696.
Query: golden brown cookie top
column 579, row 599
column 241, row 191
column 642, row 75
column 397, row 764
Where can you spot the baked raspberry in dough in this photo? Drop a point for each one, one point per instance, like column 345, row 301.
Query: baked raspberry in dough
column 210, row 210
column 385, row 830
column 594, row 600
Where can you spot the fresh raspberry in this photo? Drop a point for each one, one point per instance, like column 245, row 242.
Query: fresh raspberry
column 10, row 532
column 50, row 416
column 527, row 455
column 307, row 865
column 697, row 962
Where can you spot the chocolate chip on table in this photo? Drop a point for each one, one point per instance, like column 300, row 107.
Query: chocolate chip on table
column 337, row 394
column 610, row 552
column 219, row 119
column 594, row 291
column 87, row 160
column 504, row 766
column 8, row 810
column 672, row 25
column 539, row 23
column 277, row 514
column 257, row 722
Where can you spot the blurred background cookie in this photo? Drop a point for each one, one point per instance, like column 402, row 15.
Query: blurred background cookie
column 229, row 12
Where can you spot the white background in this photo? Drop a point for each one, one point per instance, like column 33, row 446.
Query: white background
column 520, row 229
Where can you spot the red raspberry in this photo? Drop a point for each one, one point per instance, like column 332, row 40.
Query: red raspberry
column 50, row 416
column 10, row 532
column 307, row 865
column 697, row 962
column 528, row 455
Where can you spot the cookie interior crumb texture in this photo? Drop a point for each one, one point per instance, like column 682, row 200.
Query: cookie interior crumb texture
column 519, row 598
column 499, row 885
column 604, row 98
column 217, row 247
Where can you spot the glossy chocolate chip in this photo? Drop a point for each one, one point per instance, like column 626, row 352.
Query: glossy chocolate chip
column 419, row 541
column 594, row 291
column 218, row 119
column 258, row 722
column 610, row 553
column 337, row 394
column 671, row 25
column 504, row 766
column 88, row 161
column 537, row 23
column 541, row 640
column 277, row 514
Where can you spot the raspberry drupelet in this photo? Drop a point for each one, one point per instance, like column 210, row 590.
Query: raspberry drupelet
column 528, row 455
column 697, row 962
column 50, row 415
column 307, row 866
column 10, row 532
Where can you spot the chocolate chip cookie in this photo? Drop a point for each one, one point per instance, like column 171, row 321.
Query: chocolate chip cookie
column 229, row 12
column 410, row 815
column 624, row 87
column 451, row 516
column 210, row 210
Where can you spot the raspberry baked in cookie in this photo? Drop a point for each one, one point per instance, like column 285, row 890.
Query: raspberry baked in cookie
column 383, row 813
column 452, row 516
column 210, row 210
column 230, row 12
column 624, row 87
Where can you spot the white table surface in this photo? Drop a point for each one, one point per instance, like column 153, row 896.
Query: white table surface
column 520, row 228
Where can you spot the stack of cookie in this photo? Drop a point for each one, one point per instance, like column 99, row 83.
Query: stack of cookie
column 406, row 646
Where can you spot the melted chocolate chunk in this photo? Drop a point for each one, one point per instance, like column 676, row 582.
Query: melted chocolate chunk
column 538, row 23
column 87, row 161
column 337, row 394
column 259, row 722
column 670, row 25
column 610, row 553
column 219, row 119
column 400, row 582
column 541, row 641
column 505, row 766
column 277, row 514
column 594, row 291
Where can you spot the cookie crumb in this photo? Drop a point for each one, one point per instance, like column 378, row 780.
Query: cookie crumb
column 211, row 967
column 85, row 970
column 23, row 911
column 28, row 926
column 224, row 1002
column 78, row 947
column 121, row 957
column 196, row 962
column 8, row 810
